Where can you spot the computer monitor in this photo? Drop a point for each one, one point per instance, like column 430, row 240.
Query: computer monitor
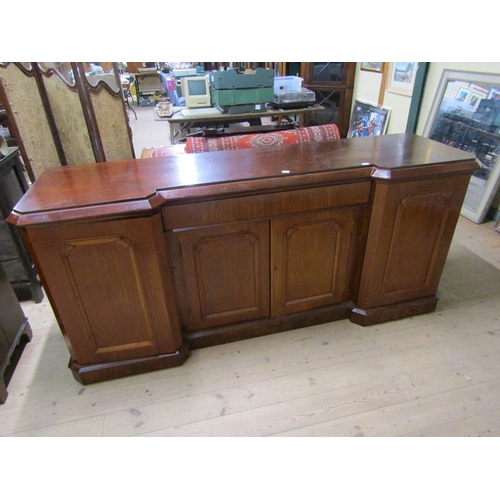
column 196, row 91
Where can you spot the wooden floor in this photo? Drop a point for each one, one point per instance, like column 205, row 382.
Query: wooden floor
column 432, row 375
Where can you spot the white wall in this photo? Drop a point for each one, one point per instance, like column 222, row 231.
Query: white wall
column 367, row 85
column 367, row 88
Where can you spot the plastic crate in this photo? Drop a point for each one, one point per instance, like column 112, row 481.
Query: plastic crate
column 230, row 79
column 242, row 96
column 287, row 84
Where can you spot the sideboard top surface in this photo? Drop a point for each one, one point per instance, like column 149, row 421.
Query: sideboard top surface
column 107, row 187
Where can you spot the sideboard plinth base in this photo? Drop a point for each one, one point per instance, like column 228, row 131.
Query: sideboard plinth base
column 367, row 317
column 257, row 328
column 91, row 374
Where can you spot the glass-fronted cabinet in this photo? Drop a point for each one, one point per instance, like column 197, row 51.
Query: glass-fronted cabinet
column 333, row 84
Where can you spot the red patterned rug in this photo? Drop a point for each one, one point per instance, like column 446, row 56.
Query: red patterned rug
column 328, row 132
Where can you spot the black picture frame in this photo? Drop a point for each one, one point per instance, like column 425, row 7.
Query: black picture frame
column 368, row 119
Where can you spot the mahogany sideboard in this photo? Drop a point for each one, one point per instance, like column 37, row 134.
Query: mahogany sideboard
column 144, row 259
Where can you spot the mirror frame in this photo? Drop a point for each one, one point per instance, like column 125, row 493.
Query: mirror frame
column 493, row 182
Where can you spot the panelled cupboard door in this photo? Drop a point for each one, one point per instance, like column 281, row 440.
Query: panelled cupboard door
column 110, row 286
column 226, row 274
column 411, row 230
column 310, row 259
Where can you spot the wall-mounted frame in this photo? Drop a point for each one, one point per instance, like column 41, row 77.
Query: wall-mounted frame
column 372, row 66
column 465, row 114
column 402, row 77
column 368, row 119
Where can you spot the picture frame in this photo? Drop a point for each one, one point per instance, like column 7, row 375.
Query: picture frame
column 465, row 114
column 402, row 77
column 368, row 119
column 372, row 66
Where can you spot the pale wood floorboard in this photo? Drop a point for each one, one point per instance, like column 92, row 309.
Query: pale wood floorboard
column 431, row 375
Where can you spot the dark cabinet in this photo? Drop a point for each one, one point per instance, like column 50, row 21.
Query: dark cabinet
column 14, row 328
column 333, row 84
column 14, row 257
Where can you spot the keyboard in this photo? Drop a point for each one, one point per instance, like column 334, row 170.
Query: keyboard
column 200, row 112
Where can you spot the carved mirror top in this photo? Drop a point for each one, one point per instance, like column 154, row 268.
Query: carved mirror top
column 63, row 70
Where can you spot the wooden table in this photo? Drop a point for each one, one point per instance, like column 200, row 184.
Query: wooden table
column 181, row 126
column 144, row 259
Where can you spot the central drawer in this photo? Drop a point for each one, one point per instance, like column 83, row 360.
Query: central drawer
column 265, row 205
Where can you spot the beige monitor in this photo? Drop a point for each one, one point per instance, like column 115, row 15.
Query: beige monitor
column 196, row 91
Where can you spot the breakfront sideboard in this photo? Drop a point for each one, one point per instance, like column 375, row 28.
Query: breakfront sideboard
column 143, row 260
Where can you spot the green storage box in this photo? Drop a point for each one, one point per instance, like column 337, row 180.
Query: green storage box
column 232, row 97
column 230, row 79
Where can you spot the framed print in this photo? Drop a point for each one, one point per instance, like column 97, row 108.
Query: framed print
column 402, row 77
column 368, row 119
column 372, row 66
column 465, row 114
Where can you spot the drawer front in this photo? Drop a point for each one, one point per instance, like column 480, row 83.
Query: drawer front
column 265, row 205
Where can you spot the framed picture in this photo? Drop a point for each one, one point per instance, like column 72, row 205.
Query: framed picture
column 368, row 119
column 465, row 114
column 372, row 66
column 402, row 77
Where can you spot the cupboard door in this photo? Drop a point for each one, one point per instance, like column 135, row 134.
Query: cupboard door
column 110, row 288
column 411, row 229
column 310, row 260
column 226, row 274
